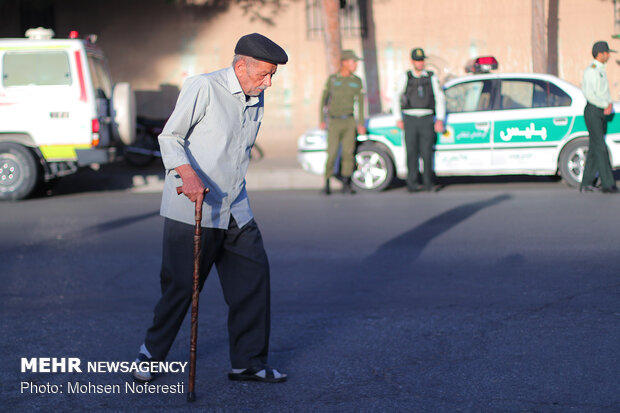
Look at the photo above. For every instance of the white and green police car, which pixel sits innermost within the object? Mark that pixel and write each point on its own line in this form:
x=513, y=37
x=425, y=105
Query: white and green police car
x=497, y=124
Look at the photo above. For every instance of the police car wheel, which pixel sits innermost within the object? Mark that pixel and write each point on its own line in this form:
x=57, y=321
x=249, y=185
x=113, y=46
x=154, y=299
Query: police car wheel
x=573, y=161
x=375, y=170
x=19, y=172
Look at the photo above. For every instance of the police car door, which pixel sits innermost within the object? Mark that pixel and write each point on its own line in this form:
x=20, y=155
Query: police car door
x=533, y=118
x=465, y=146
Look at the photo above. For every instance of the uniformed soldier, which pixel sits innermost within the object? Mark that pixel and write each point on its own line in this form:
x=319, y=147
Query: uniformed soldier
x=420, y=112
x=342, y=91
x=596, y=90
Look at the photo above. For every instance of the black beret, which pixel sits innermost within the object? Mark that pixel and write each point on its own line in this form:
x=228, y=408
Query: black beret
x=261, y=48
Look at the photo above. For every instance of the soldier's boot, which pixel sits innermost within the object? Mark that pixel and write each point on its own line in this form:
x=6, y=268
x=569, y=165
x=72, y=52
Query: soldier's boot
x=326, y=189
x=346, y=186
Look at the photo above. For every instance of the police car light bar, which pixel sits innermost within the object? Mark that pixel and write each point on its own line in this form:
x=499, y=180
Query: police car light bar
x=481, y=65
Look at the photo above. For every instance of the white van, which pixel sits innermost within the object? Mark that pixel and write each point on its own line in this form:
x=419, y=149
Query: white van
x=58, y=110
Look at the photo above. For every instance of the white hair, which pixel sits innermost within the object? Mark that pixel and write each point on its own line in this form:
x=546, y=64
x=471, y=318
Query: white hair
x=250, y=61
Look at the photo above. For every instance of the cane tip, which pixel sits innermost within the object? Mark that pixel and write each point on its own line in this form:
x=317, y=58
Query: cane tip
x=191, y=397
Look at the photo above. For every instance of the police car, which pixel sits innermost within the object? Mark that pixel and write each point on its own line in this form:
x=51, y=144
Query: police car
x=58, y=110
x=496, y=124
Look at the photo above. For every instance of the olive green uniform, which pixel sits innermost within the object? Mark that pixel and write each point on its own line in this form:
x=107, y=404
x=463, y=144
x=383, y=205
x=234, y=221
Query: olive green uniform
x=339, y=96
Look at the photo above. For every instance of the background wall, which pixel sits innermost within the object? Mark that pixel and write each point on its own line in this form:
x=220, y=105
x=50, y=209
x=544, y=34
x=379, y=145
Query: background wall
x=156, y=44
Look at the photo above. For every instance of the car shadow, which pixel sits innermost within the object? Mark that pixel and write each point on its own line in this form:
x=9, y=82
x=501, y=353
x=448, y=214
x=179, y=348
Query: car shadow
x=116, y=176
x=447, y=181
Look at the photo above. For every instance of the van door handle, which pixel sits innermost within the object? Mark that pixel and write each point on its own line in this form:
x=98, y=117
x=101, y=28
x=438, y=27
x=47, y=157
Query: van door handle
x=482, y=125
x=562, y=121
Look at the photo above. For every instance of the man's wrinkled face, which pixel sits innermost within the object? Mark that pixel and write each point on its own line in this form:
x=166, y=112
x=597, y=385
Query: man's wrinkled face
x=254, y=75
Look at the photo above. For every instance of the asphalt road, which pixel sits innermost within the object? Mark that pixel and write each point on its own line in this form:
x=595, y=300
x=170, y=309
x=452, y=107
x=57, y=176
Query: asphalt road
x=484, y=298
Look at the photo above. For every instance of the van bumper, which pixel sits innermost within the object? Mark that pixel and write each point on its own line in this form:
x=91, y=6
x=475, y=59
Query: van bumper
x=86, y=157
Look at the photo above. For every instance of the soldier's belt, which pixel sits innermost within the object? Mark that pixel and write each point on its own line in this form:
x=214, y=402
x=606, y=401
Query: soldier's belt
x=350, y=115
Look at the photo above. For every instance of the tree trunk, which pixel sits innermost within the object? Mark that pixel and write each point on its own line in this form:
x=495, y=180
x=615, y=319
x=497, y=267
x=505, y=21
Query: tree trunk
x=369, y=47
x=331, y=30
x=539, y=48
x=552, y=37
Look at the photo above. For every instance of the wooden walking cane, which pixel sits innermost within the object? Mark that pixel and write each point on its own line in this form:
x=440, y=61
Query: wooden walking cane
x=191, y=394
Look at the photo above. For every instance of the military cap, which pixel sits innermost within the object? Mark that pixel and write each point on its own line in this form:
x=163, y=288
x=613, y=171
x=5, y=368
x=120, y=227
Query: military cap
x=418, y=54
x=261, y=48
x=600, y=47
x=348, y=55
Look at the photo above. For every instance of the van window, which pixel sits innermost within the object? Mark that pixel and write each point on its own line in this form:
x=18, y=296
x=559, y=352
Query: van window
x=101, y=77
x=36, y=69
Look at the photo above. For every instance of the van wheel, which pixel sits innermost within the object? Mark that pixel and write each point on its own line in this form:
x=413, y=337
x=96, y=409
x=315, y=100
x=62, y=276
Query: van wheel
x=375, y=170
x=19, y=172
x=141, y=153
x=573, y=161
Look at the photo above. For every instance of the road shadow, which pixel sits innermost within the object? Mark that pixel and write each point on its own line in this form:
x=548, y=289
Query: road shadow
x=404, y=250
x=117, y=176
x=448, y=181
x=359, y=284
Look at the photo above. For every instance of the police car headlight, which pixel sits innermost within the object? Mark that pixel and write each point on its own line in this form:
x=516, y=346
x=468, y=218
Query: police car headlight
x=312, y=140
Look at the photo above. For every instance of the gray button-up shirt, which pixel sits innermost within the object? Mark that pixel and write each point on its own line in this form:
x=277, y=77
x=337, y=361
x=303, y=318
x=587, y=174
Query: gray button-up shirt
x=213, y=128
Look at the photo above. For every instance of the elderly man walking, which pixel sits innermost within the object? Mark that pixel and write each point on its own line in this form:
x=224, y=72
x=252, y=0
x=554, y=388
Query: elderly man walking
x=206, y=143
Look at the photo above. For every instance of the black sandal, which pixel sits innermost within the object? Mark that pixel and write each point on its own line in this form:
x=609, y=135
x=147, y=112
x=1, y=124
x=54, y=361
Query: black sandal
x=251, y=374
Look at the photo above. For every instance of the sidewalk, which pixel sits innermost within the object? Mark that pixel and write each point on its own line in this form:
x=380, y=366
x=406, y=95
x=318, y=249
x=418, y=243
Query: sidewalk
x=279, y=173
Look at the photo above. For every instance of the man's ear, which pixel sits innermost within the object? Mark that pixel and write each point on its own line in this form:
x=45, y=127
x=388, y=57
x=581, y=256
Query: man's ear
x=241, y=66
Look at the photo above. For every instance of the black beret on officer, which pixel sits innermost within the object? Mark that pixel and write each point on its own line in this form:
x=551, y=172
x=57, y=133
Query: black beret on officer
x=261, y=48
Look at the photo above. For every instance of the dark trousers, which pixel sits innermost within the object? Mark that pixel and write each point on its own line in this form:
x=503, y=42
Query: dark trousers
x=598, y=155
x=420, y=138
x=243, y=269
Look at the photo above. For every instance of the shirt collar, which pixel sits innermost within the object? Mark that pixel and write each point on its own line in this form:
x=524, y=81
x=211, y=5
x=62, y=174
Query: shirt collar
x=598, y=64
x=235, y=88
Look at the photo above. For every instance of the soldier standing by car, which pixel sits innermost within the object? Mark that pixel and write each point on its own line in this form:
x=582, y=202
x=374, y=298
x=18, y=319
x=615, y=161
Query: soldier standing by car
x=420, y=112
x=596, y=90
x=342, y=91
